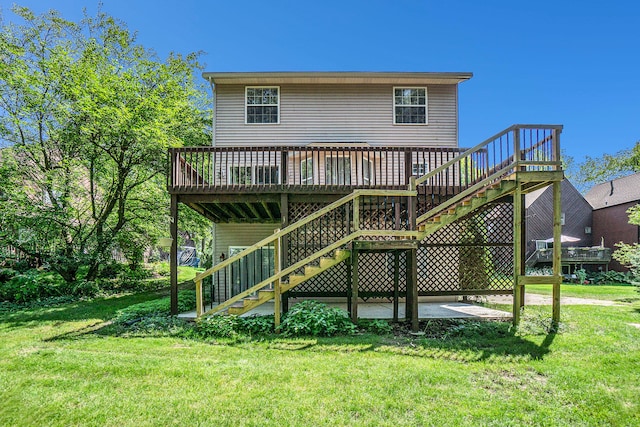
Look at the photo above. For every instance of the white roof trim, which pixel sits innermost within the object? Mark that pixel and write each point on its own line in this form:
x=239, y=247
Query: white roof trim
x=295, y=77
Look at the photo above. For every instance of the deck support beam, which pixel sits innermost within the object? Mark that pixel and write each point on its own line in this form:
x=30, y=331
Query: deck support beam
x=284, y=221
x=276, y=284
x=412, y=262
x=173, y=254
x=557, y=251
x=355, y=254
x=518, y=254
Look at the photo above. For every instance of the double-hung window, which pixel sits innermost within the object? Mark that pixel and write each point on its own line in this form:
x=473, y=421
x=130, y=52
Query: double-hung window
x=410, y=105
x=262, y=105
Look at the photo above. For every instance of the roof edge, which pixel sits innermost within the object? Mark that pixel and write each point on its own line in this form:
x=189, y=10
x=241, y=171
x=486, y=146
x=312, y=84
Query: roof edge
x=336, y=77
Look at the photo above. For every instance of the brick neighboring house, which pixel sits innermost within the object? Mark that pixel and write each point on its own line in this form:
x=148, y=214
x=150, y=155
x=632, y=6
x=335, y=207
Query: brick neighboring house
x=610, y=202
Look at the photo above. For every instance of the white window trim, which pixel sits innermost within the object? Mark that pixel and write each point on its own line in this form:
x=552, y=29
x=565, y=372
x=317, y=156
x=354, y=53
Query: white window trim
x=416, y=167
x=246, y=105
x=393, y=105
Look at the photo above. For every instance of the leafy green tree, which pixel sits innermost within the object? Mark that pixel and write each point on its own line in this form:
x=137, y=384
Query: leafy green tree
x=627, y=254
x=87, y=116
x=610, y=166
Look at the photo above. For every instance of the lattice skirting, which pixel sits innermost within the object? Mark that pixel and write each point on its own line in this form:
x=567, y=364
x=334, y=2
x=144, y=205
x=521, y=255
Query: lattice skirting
x=474, y=254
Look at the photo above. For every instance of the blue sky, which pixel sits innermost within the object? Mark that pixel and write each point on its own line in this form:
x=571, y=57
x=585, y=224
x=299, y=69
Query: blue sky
x=576, y=64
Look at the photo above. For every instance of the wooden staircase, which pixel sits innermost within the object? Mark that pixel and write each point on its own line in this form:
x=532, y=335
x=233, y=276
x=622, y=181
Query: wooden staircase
x=525, y=166
x=453, y=213
x=268, y=293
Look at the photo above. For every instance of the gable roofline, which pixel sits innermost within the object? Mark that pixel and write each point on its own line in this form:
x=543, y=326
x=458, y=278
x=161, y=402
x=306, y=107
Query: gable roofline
x=531, y=198
x=335, y=77
x=615, y=192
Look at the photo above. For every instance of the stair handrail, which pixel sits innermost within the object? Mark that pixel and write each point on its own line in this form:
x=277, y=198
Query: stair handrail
x=511, y=162
x=287, y=230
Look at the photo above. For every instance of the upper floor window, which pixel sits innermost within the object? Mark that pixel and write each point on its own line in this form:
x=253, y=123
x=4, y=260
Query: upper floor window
x=262, y=104
x=410, y=105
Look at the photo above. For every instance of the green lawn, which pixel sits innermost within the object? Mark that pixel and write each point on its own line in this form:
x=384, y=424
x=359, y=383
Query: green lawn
x=607, y=292
x=64, y=366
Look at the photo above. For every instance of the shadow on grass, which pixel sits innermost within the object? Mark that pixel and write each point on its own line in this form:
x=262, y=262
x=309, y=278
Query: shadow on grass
x=461, y=341
x=98, y=308
x=482, y=341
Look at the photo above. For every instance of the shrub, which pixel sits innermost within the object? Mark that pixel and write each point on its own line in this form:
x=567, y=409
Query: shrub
x=611, y=277
x=581, y=274
x=259, y=325
x=32, y=285
x=6, y=274
x=316, y=319
x=375, y=326
x=162, y=269
x=218, y=326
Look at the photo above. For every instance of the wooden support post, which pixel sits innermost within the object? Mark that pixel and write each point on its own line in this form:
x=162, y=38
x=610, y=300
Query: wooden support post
x=349, y=284
x=354, y=285
x=518, y=256
x=523, y=248
x=556, y=148
x=557, y=250
x=412, y=287
x=284, y=221
x=356, y=214
x=199, y=303
x=411, y=309
x=173, y=254
x=276, y=284
x=517, y=153
x=396, y=284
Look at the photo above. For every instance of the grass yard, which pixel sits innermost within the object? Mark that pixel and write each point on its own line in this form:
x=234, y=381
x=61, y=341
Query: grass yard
x=65, y=366
x=622, y=293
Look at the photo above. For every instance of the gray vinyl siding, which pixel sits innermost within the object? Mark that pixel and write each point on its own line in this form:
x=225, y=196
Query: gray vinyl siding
x=226, y=235
x=336, y=113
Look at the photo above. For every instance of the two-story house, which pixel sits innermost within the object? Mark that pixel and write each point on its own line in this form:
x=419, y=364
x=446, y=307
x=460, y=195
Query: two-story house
x=362, y=175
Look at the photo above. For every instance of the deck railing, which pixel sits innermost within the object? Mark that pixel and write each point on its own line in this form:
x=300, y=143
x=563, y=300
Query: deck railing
x=238, y=169
x=533, y=148
x=520, y=148
x=577, y=255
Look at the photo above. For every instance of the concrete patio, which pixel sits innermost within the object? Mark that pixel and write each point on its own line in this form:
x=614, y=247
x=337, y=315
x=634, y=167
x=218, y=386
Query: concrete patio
x=384, y=310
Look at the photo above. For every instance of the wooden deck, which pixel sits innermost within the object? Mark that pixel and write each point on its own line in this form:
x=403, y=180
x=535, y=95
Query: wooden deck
x=392, y=194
